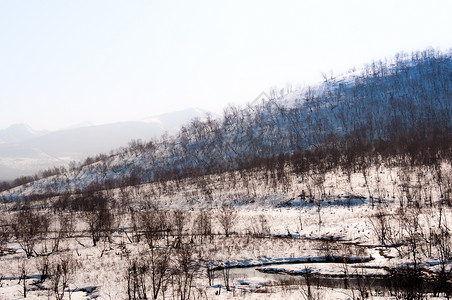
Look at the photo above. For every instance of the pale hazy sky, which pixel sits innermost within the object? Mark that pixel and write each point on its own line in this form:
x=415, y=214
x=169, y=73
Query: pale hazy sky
x=64, y=62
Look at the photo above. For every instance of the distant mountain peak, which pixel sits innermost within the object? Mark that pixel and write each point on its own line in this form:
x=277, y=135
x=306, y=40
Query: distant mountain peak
x=19, y=127
x=18, y=133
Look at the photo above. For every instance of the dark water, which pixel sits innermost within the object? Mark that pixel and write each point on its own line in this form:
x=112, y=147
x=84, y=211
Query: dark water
x=395, y=282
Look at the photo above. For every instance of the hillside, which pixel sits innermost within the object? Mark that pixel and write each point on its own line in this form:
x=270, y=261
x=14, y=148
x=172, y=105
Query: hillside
x=388, y=107
x=339, y=191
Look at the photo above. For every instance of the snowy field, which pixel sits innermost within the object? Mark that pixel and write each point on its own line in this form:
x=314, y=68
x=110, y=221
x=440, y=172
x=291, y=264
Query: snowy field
x=317, y=238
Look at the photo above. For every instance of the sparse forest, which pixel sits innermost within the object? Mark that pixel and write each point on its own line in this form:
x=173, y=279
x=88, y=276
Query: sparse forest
x=339, y=190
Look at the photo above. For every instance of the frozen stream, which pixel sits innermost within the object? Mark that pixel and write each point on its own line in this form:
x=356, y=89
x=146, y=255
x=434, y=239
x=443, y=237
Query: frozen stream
x=322, y=273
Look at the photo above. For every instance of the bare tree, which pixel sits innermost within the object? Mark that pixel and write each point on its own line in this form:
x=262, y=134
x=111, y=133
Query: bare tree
x=62, y=269
x=43, y=266
x=442, y=242
x=154, y=225
x=307, y=291
x=136, y=279
x=203, y=224
x=5, y=232
x=98, y=216
x=413, y=235
x=226, y=270
x=158, y=263
x=67, y=224
x=227, y=216
x=179, y=219
x=381, y=227
x=27, y=227
x=23, y=275
x=186, y=269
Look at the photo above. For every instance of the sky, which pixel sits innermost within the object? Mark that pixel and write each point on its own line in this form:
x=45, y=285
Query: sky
x=67, y=62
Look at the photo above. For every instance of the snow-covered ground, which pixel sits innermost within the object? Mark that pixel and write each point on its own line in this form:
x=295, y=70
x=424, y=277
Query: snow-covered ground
x=275, y=231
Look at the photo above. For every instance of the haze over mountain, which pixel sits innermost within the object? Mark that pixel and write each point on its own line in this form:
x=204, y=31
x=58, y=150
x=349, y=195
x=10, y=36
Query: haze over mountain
x=24, y=151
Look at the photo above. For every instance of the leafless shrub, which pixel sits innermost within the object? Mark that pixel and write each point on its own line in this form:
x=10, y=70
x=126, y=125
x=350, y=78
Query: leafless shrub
x=43, y=267
x=260, y=226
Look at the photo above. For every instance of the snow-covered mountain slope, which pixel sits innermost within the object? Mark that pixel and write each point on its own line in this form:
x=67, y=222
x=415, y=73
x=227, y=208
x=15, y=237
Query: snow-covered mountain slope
x=24, y=151
x=407, y=100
